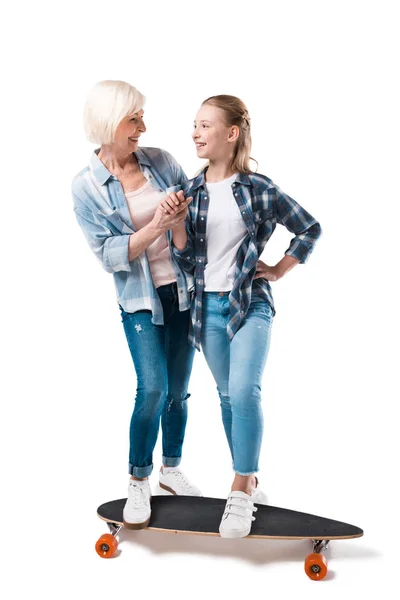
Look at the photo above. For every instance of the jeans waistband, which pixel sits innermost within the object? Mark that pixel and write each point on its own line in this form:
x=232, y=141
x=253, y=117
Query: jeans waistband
x=218, y=293
x=171, y=286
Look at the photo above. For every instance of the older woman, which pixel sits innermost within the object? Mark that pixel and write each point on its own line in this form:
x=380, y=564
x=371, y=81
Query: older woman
x=117, y=201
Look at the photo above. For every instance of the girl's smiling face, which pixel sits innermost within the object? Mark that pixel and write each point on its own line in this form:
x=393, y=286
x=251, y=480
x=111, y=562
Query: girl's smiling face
x=214, y=139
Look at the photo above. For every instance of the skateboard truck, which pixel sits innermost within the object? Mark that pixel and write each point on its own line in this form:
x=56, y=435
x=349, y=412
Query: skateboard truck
x=320, y=545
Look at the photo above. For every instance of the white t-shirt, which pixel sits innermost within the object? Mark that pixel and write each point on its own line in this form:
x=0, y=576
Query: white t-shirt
x=225, y=233
x=142, y=204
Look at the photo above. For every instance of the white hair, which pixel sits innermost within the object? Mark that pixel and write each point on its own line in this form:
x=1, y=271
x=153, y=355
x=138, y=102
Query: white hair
x=107, y=104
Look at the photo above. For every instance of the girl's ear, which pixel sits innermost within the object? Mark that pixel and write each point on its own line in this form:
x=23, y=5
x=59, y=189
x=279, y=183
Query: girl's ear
x=233, y=133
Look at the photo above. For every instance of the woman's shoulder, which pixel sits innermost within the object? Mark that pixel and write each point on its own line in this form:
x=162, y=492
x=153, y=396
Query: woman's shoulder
x=79, y=182
x=154, y=155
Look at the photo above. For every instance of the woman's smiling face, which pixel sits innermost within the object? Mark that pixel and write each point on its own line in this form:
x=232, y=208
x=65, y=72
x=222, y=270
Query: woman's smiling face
x=129, y=130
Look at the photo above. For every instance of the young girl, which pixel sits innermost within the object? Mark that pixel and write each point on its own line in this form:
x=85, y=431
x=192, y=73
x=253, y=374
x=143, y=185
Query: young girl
x=232, y=216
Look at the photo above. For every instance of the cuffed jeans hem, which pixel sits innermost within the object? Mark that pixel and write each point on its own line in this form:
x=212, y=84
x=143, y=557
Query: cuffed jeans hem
x=172, y=461
x=246, y=474
x=140, y=472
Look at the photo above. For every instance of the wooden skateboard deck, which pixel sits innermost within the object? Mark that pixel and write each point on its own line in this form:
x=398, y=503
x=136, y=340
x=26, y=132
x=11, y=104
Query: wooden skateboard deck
x=202, y=516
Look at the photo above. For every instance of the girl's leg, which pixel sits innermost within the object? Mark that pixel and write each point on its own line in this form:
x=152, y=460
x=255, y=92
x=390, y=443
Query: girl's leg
x=249, y=350
x=216, y=348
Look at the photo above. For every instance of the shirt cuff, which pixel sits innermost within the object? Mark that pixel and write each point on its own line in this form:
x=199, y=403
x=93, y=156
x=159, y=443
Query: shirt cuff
x=300, y=250
x=116, y=253
x=181, y=253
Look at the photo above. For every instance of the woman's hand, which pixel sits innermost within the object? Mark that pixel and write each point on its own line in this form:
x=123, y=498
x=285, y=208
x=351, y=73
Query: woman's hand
x=270, y=273
x=171, y=211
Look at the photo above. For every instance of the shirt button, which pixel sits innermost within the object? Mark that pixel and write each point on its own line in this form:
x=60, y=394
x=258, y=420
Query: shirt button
x=181, y=291
x=202, y=240
x=199, y=259
x=243, y=212
x=205, y=197
x=202, y=218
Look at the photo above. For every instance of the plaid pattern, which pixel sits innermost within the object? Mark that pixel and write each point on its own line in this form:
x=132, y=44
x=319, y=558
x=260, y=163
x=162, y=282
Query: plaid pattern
x=262, y=205
x=102, y=213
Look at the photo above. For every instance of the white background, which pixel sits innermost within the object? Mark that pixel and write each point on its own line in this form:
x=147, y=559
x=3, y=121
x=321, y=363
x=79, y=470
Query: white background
x=319, y=80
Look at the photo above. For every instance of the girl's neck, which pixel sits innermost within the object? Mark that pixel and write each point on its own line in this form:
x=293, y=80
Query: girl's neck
x=218, y=171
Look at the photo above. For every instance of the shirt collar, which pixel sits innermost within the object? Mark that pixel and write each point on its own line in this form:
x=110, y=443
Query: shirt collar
x=200, y=180
x=101, y=172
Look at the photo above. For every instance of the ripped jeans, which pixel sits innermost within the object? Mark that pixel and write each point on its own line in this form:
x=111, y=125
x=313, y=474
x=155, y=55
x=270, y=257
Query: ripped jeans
x=163, y=360
x=237, y=367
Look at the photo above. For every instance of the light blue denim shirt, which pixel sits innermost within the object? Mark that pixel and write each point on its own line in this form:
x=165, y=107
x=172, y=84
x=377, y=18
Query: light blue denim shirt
x=102, y=212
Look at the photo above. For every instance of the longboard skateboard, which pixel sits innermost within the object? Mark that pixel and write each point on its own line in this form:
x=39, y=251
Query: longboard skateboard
x=202, y=516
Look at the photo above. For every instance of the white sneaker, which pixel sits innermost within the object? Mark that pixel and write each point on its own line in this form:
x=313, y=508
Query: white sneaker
x=137, y=510
x=238, y=516
x=177, y=483
x=258, y=496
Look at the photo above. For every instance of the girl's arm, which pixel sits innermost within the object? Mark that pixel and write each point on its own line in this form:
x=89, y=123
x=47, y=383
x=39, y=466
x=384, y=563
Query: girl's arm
x=183, y=238
x=298, y=221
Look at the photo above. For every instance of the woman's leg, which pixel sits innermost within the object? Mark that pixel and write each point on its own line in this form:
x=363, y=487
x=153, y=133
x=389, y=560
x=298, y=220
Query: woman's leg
x=147, y=345
x=179, y=356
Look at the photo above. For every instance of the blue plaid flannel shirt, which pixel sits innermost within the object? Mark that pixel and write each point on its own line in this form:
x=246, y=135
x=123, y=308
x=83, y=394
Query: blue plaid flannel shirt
x=102, y=213
x=262, y=205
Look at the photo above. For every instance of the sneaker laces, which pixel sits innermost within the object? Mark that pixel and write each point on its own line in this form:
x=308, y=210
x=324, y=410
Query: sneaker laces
x=136, y=494
x=181, y=479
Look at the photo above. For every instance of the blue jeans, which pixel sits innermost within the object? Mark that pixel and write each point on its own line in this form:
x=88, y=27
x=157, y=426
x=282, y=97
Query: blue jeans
x=163, y=360
x=237, y=367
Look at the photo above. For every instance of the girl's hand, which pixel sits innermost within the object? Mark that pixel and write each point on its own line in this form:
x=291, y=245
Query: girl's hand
x=167, y=216
x=269, y=273
x=171, y=204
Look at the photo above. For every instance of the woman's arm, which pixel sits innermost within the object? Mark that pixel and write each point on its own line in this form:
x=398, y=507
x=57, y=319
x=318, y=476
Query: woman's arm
x=115, y=252
x=111, y=250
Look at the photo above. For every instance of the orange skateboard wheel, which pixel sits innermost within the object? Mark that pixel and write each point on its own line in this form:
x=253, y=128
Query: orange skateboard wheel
x=316, y=566
x=106, y=545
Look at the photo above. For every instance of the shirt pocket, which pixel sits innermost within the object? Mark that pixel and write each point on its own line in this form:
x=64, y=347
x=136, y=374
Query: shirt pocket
x=114, y=222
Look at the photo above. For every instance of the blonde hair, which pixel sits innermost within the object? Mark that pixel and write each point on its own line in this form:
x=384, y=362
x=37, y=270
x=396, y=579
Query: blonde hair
x=108, y=102
x=236, y=113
